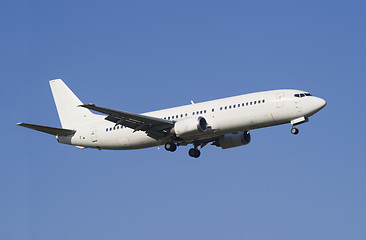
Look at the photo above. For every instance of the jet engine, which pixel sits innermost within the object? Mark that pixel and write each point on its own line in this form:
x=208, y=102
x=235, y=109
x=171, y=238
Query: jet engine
x=189, y=127
x=233, y=140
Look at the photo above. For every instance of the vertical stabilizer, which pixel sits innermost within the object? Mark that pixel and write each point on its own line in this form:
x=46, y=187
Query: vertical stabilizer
x=67, y=104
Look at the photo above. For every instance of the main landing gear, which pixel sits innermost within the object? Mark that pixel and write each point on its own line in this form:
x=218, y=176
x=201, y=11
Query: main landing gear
x=194, y=152
x=171, y=147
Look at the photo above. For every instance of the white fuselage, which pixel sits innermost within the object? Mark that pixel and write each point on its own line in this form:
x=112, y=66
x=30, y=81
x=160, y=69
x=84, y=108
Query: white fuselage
x=223, y=116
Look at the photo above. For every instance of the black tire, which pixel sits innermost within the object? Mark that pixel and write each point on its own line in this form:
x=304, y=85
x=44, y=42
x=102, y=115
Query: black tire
x=295, y=131
x=171, y=147
x=194, y=152
x=191, y=152
x=197, y=153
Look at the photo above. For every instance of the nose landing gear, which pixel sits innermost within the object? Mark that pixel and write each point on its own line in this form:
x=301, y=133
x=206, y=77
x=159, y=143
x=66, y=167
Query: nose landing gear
x=294, y=131
x=298, y=121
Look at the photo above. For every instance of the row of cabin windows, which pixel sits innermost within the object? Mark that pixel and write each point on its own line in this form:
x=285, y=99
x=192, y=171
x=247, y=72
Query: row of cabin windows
x=242, y=104
x=213, y=110
x=114, y=128
x=176, y=116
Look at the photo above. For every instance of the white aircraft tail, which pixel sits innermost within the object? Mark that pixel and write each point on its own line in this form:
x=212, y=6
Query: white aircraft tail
x=67, y=104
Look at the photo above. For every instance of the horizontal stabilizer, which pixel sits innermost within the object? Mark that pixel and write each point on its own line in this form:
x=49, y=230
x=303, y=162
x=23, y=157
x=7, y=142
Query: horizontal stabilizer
x=49, y=130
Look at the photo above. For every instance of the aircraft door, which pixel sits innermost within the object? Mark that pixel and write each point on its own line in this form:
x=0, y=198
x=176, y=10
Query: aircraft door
x=280, y=101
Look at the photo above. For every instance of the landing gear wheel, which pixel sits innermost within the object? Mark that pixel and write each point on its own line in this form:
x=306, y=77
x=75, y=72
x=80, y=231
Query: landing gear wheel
x=194, y=152
x=294, y=131
x=171, y=147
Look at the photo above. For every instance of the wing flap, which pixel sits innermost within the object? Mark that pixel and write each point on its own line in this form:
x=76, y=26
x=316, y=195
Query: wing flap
x=49, y=130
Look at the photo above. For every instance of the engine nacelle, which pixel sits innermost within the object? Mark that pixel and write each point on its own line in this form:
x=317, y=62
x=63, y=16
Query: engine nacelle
x=189, y=127
x=234, y=140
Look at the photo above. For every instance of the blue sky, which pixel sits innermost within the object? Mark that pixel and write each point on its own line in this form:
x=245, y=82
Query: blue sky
x=140, y=56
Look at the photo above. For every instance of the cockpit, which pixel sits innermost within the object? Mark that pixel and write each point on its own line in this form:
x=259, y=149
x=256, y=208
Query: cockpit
x=300, y=95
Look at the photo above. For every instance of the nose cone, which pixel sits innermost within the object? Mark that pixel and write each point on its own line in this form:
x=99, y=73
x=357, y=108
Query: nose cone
x=311, y=105
x=316, y=105
x=319, y=103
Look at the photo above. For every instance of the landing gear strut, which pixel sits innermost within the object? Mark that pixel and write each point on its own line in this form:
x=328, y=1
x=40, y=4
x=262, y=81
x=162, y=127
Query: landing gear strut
x=294, y=130
x=171, y=147
x=194, y=152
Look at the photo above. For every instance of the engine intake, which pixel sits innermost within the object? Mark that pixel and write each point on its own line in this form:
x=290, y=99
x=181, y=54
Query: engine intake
x=233, y=140
x=189, y=127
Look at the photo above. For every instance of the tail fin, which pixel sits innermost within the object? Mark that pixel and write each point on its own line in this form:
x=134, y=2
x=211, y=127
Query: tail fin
x=67, y=104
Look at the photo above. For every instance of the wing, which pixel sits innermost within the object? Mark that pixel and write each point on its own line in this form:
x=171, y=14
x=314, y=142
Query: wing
x=156, y=128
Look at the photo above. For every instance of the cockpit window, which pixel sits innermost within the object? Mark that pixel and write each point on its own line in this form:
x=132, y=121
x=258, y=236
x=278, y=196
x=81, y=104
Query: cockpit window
x=300, y=95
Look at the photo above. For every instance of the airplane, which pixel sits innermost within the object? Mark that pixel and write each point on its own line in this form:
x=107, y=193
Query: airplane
x=224, y=122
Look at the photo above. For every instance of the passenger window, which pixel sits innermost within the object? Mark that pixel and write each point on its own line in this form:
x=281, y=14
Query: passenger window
x=106, y=129
x=193, y=113
x=220, y=108
x=234, y=106
x=255, y=102
x=251, y=103
x=181, y=115
x=201, y=112
x=242, y=104
x=225, y=107
x=213, y=110
x=198, y=112
x=186, y=114
x=177, y=116
x=204, y=111
x=238, y=105
x=247, y=104
x=168, y=118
